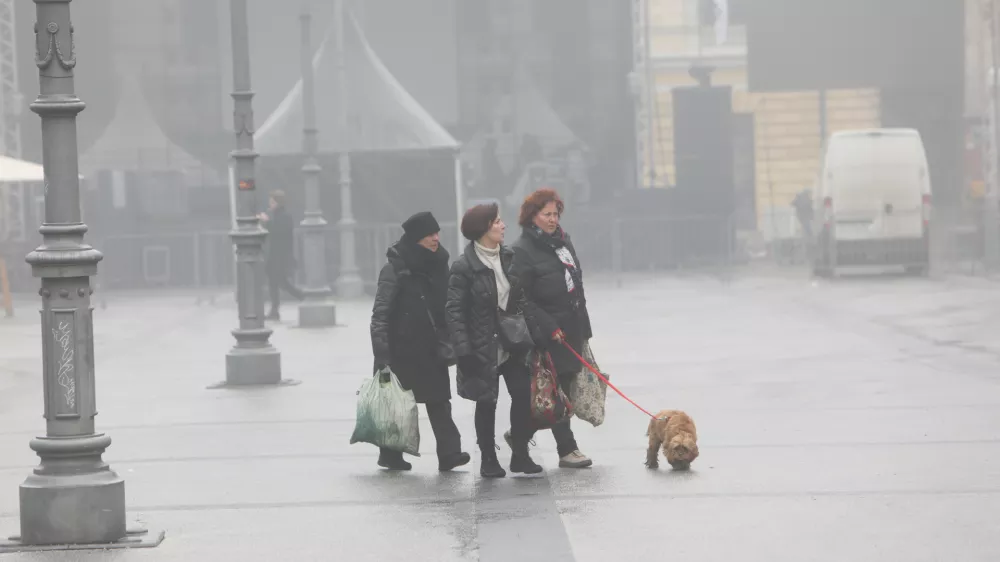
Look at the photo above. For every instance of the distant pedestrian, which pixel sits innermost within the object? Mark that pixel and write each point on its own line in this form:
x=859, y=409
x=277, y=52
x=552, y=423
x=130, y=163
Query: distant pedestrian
x=279, y=260
x=409, y=333
x=480, y=289
x=805, y=213
x=548, y=268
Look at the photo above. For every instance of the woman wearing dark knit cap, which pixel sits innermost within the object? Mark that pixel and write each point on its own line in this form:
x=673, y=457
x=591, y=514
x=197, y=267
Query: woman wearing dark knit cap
x=409, y=333
x=546, y=263
x=480, y=288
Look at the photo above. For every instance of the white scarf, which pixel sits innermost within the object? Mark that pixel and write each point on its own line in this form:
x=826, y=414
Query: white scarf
x=491, y=259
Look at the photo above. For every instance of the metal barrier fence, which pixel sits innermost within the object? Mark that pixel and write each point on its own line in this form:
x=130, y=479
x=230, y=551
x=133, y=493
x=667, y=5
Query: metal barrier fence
x=371, y=241
x=193, y=260
x=618, y=245
x=205, y=260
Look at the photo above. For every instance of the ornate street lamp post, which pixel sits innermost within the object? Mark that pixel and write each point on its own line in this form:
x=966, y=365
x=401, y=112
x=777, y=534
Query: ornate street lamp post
x=317, y=310
x=73, y=499
x=253, y=360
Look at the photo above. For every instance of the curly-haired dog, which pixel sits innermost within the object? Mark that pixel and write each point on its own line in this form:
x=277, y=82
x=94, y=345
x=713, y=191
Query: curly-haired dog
x=675, y=431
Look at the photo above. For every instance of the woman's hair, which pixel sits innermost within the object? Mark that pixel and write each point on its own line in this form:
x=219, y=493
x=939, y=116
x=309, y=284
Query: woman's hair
x=534, y=203
x=478, y=220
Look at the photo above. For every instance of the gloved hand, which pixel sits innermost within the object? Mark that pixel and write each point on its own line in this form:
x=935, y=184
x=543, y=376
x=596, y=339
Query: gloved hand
x=380, y=366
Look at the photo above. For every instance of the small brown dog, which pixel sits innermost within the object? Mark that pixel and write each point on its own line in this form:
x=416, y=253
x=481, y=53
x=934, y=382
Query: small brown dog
x=675, y=431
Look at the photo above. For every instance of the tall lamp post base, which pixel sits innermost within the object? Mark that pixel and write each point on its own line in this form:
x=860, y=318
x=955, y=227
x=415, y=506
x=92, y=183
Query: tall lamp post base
x=134, y=538
x=317, y=313
x=88, y=507
x=350, y=286
x=253, y=366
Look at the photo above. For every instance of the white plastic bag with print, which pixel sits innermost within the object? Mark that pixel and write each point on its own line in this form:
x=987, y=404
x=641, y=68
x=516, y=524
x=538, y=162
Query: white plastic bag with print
x=588, y=393
x=387, y=415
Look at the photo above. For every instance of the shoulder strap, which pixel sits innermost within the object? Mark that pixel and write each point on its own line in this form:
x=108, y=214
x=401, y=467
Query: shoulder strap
x=427, y=307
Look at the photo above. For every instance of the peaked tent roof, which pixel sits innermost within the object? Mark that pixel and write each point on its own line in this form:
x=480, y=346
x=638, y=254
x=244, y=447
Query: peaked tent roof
x=133, y=141
x=382, y=115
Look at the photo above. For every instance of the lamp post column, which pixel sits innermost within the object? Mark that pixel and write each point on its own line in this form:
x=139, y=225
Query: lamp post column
x=253, y=360
x=349, y=284
x=317, y=310
x=72, y=497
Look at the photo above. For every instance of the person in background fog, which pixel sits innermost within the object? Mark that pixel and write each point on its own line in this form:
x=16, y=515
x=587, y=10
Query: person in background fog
x=481, y=285
x=548, y=268
x=803, y=205
x=279, y=259
x=409, y=334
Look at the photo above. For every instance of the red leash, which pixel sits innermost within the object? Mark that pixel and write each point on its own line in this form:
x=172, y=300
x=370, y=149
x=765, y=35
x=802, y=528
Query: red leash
x=605, y=380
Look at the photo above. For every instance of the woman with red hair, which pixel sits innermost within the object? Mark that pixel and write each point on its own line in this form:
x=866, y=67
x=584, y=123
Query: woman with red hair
x=548, y=268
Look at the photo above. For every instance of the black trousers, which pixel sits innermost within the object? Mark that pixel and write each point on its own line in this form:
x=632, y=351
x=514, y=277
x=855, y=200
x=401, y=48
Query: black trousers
x=565, y=440
x=518, y=380
x=515, y=376
x=449, y=440
x=277, y=280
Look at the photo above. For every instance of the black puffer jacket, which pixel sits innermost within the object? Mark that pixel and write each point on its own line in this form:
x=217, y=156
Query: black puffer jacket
x=414, y=280
x=549, y=304
x=472, y=321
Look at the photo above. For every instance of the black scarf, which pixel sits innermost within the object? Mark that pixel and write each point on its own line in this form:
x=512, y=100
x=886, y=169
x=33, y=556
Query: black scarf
x=555, y=242
x=431, y=269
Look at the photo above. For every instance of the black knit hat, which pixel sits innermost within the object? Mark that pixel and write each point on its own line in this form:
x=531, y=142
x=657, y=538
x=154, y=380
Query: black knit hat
x=420, y=226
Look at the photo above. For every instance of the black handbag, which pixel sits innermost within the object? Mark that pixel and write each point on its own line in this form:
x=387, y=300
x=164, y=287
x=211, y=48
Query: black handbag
x=513, y=332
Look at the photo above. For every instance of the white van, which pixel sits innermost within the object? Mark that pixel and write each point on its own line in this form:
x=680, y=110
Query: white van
x=873, y=202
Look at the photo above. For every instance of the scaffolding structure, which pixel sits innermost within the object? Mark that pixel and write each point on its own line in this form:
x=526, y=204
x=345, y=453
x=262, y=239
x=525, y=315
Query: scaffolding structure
x=13, y=197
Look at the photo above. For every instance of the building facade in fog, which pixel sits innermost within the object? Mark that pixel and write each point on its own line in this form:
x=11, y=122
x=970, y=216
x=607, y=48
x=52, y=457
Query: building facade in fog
x=778, y=138
x=548, y=76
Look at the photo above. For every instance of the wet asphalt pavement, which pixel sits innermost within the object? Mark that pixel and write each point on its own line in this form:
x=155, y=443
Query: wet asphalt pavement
x=849, y=420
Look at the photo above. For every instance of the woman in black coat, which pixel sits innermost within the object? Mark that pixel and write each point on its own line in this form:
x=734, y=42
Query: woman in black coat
x=546, y=263
x=408, y=328
x=481, y=286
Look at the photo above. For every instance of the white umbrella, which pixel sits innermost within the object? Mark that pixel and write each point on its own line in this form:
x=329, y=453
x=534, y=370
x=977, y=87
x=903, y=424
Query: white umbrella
x=13, y=170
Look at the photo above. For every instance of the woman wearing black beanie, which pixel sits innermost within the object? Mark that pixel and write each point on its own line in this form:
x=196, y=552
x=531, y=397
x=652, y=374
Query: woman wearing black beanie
x=410, y=336
x=479, y=290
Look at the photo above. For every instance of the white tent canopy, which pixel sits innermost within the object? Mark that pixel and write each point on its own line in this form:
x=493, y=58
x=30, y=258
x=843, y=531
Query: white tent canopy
x=134, y=141
x=382, y=115
x=13, y=170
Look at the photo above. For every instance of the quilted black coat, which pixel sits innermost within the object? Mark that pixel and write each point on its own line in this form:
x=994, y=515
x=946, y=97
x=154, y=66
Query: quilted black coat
x=548, y=303
x=472, y=321
x=413, y=281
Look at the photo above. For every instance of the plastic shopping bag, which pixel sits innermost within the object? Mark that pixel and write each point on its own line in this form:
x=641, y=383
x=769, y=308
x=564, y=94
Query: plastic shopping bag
x=387, y=415
x=588, y=393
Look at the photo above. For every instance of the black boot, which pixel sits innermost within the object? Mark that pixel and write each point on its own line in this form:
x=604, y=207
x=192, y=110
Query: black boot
x=452, y=461
x=490, y=465
x=520, y=460
x=393, y=460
